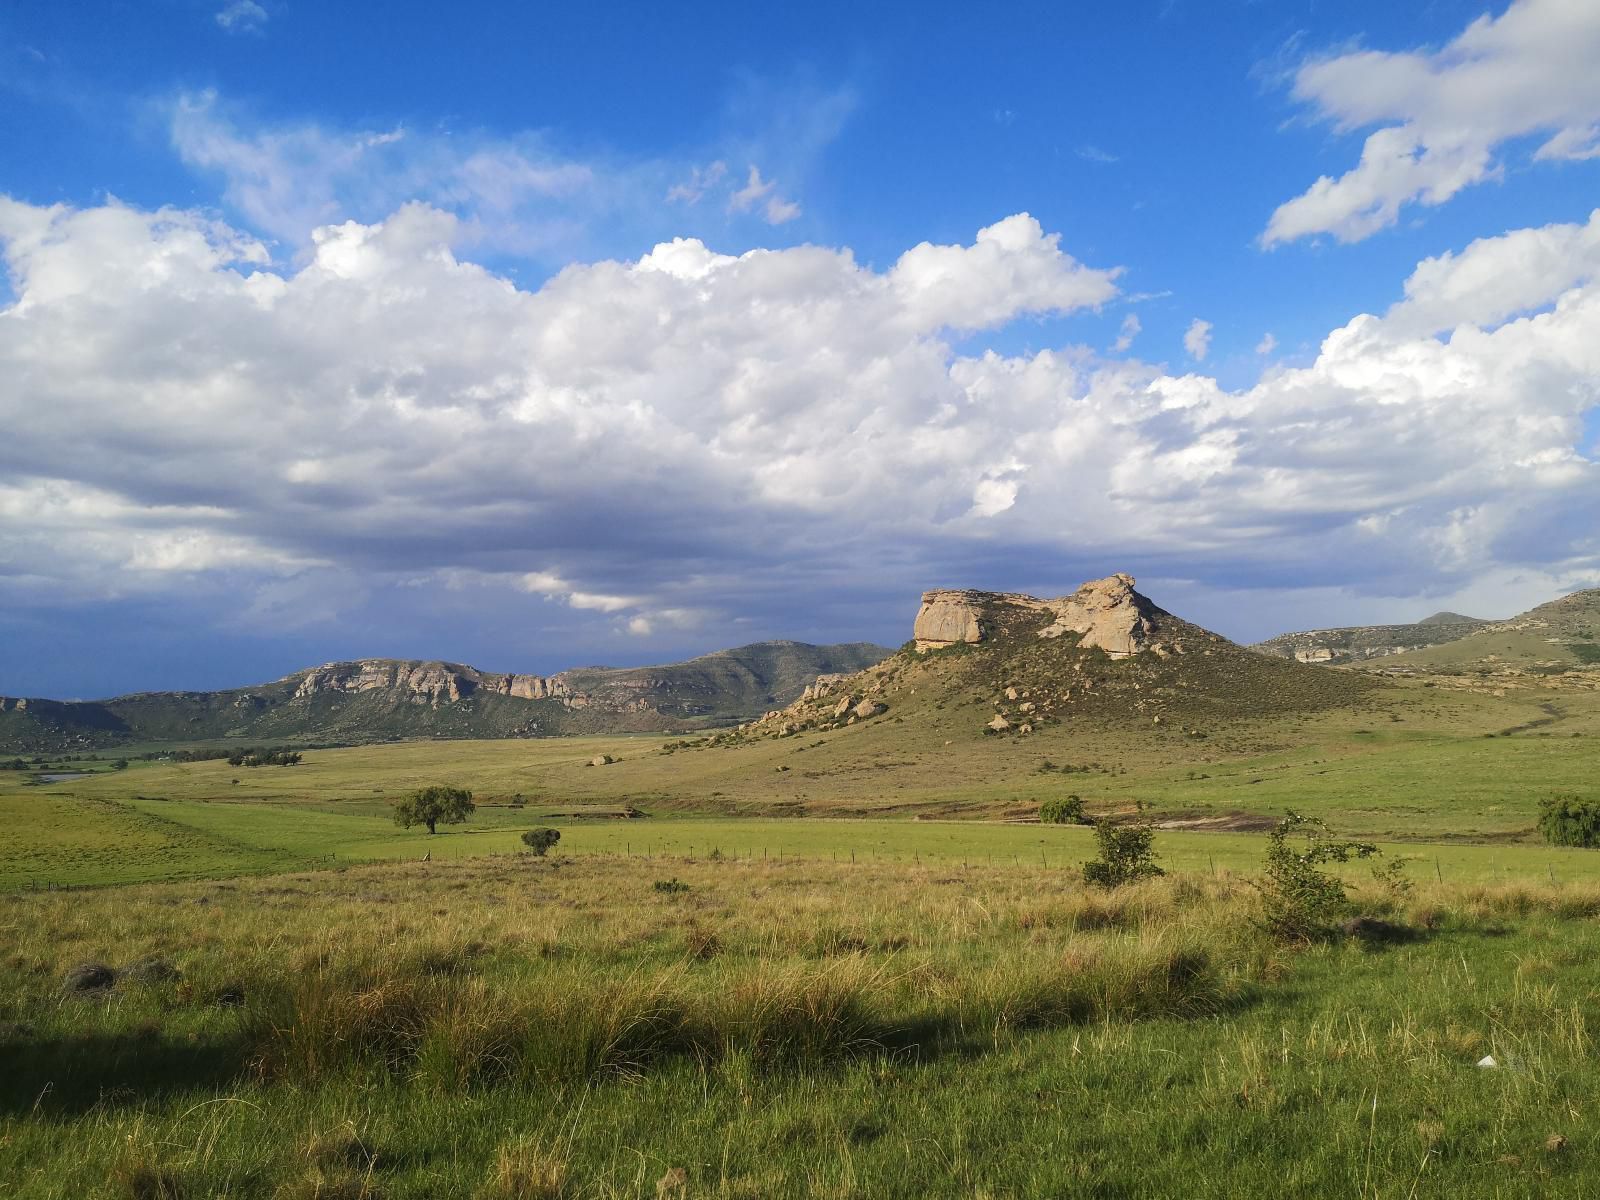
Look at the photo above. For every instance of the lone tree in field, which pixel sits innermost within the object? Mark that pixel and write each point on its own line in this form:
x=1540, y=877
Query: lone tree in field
x=541, y=839
x=1299, y=901
x=432, y=806
x=1063, y=810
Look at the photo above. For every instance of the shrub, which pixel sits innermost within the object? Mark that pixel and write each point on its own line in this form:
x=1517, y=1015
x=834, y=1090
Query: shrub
x=432, y=805
x=1063, y=810
x=1300, y=901
x=541, y=839
x=1566, y=820
x=1126, y=854
x=671, y=887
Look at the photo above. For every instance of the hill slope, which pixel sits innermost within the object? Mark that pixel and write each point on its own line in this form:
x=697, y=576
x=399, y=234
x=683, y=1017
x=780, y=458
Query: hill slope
x=1103, y=659
x=376, y=699
x=1356, y=643
x=1554, y=638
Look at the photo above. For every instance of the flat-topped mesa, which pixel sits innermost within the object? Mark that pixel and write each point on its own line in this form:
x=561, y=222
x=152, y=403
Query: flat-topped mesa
x=429, y=682
x=1107, y=614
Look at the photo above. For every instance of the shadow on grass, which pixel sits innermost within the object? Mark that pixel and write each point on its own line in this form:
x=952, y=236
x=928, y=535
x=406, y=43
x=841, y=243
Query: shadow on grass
x=67, y=1076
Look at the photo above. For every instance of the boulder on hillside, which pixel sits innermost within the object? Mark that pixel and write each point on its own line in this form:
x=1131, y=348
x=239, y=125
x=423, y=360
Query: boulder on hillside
x=867, y=708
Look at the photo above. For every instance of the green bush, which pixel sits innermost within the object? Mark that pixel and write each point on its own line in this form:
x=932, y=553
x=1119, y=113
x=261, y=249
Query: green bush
x=541, y=839
x=1566, y=820
x=1126, y=854
x=1300, y=901
x=1063, y=810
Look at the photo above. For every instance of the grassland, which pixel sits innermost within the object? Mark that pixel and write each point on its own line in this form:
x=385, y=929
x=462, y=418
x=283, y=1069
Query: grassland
x=1417, y=765
x=509, y=1027
x=864, y=974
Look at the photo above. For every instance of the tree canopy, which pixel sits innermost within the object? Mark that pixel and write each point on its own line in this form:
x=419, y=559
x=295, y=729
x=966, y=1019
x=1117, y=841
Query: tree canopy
x=433, y=806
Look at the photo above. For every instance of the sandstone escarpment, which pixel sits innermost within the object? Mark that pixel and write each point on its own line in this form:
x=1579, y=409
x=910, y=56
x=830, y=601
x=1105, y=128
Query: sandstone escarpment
x=1106, y=614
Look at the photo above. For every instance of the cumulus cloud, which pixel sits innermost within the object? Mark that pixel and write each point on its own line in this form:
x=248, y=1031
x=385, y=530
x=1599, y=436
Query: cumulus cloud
x=1129, y=330
x=1197, y=339
x=1444, y=114
x=690, y=437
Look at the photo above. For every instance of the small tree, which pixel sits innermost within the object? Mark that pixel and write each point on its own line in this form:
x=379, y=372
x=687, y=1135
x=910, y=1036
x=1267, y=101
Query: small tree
x=1566, y=820
x=1301, y=902
x=1062, y=810
x=1126, y=853
x=432, y=806
x=541, y=839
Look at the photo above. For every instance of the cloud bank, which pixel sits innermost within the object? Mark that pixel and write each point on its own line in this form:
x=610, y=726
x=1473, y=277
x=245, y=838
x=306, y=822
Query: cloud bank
x=676, y=440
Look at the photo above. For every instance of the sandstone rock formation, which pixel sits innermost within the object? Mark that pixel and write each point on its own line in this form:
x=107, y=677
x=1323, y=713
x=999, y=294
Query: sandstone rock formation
x=1107, y=614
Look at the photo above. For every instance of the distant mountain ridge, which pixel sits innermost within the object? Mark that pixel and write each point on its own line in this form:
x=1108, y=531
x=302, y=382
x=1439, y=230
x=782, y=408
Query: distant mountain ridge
x=1356, y=643
x=377, y=699
x=1560, y=636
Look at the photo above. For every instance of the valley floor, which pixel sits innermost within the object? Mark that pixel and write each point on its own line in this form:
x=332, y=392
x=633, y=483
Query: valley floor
x=597, y=1027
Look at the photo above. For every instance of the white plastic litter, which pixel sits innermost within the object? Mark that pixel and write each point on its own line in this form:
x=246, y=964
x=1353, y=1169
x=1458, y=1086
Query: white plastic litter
x=1487, y=1063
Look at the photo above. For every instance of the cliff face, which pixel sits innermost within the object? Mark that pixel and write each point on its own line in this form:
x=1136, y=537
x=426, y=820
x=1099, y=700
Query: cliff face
x=429, y=682
x=1106, y=614
x=379, y=698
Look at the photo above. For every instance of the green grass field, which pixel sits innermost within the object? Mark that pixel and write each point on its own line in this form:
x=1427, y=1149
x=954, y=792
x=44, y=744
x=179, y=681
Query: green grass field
x=517, y=1028
x=864, y=972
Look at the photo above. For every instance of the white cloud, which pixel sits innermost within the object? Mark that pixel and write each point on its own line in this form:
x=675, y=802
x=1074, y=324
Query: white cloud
x=1444, y=114
x=701, y=180
x=763, y=193
x=1197, y=339
x=1130, y=329
x=515, y=195
x=699, y=433
x=1495, y=278
x=1012, y=267
x=242, y=16
x=1267, y=344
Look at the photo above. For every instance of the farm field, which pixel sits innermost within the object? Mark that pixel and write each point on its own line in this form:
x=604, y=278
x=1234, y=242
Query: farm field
x=506, y=1027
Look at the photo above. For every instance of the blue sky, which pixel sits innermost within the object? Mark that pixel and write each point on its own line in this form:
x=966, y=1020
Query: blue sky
x=480, y=420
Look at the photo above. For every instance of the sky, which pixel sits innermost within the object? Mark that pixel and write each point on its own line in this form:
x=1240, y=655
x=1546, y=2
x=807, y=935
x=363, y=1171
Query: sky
x=537, y=336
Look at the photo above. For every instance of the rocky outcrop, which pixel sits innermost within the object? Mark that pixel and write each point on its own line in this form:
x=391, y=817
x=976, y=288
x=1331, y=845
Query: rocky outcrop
x=1106, y=614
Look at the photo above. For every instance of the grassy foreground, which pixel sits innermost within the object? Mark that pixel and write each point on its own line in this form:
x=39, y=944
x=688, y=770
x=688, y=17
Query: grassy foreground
x=503, y=1027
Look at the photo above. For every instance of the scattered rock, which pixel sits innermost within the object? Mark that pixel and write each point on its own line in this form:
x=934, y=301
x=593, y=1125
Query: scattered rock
x=1487, y=1063
x=844, y=706
x=1555, y=1143
x=1011, y=693
x=601, y=760
x=867, y=708
x=88, y=977
x=1026, y=706
x=999, y=724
